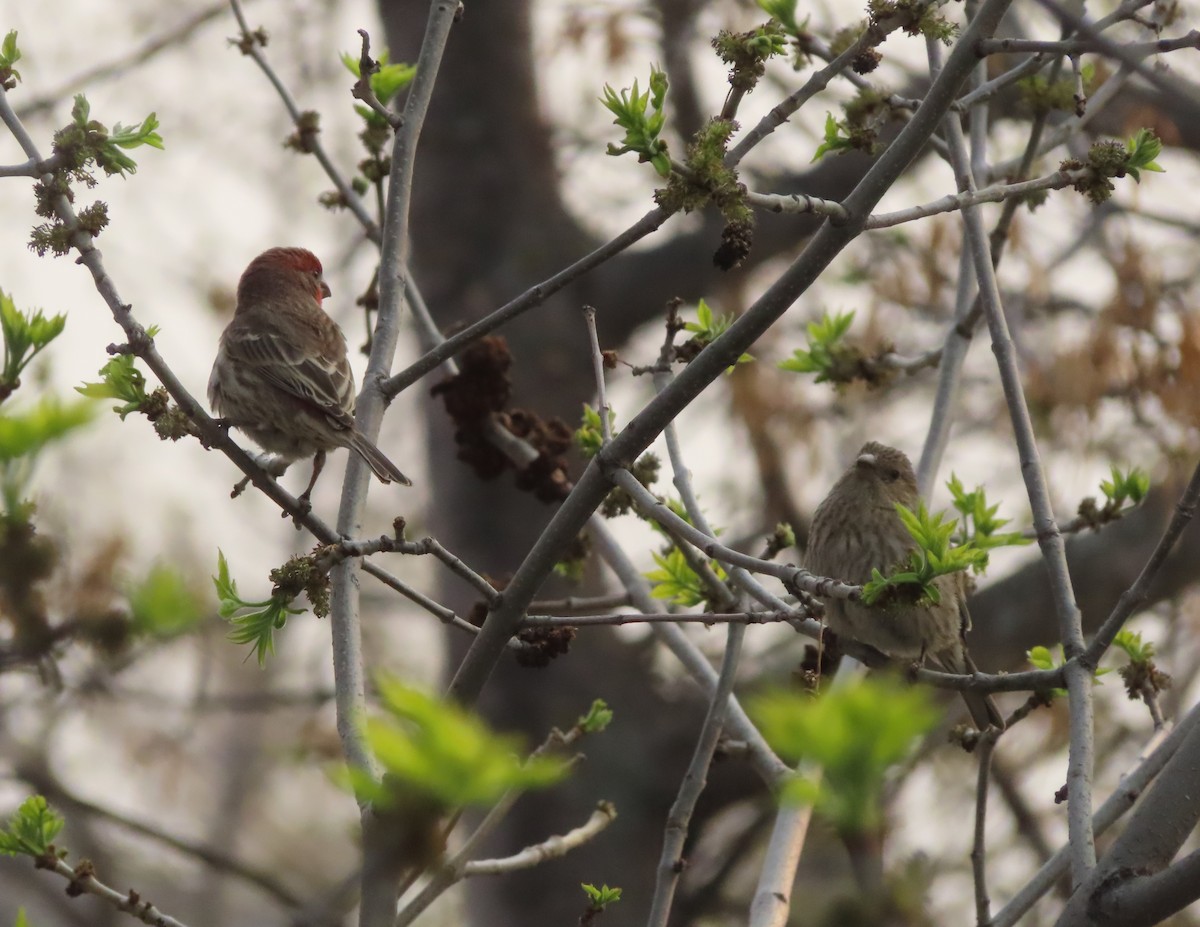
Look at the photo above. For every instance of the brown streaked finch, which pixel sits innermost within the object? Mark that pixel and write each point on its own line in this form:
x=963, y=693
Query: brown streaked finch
x=856, y=528
x=282, y=375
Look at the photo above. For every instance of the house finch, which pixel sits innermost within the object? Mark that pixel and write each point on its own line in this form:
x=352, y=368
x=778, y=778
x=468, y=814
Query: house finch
x=857, y=528
x=281, y=373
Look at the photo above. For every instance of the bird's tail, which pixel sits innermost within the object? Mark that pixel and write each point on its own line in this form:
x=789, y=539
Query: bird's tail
x=383, y=468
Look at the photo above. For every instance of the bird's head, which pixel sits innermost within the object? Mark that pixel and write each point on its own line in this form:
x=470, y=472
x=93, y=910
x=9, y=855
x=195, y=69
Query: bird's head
x=283, y=267
x=885, y=475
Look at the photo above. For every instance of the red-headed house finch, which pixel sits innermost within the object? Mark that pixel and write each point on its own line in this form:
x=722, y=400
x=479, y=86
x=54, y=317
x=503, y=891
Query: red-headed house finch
x=856, y=528
x=281, y=373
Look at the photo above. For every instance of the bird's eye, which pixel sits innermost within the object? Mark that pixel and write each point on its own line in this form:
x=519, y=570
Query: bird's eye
x=889, y=474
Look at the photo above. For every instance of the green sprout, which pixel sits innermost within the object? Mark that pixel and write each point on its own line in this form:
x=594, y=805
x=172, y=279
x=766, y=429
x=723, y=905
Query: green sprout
x=1143, y=148
x=784, y=12
x=120, y=379
x=258, y=621
x=837, y=138
x=162, y=605
x=979, y=521
x=642, y=117
x=388, y=80
x=92, y=140
x=1125, y=486
x=677, y=582
x=32, y=829
x=9, y=55
x=442, y=752
x=934, y=556
x=25, y=335
x=597, y=719
x=589, y=436
x=827, y=356
x=855, y=733
x=708, y=327
x=600, y=898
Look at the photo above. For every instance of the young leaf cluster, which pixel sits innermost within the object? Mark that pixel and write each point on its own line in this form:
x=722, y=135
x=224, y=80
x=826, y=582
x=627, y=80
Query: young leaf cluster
x=443, y=753
x=707, y=328
x=642, y=117
x=747, y=53
x=979, y=521
x=252, y=622
x=855, y=734
x=1043, y=658
x=88, y=141
x=1126, y=489
x=32, y=829
x=162, y=605
x=676, y=581
x=80, y=146
x=827, y=356
x=589, y=436
x=386, y=81
x=9, y=55
x=120, y=379
x=1125, y=486
x=1141, y=675
x=1112, y=159
x=934, y=556
x=597, y=719
x=25, y=334
x=600, y=898
x=783, y=12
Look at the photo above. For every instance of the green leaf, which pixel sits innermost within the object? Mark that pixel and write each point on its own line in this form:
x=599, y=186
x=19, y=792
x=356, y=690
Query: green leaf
x=590, y=436
x=1131, y=485
x=50, y=420
x=600, y=898
x=163, y=605
x=386, y=82
x=856, y=733
x=32, y=829
x=784, y=11
x=597, y=719
x=935, y=556
x=834, y=139
x=1135, y=648
x=675, y=580
x=446, y=753
x=825, y=348
x=9, y=55
x=252, y=622
x=25, y=334
x=120, y=379
x=642, y=117
x=1143, y=148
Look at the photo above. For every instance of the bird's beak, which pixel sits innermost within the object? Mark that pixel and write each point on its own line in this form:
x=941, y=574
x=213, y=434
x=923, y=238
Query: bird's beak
x=865, y=461
x=325, y=291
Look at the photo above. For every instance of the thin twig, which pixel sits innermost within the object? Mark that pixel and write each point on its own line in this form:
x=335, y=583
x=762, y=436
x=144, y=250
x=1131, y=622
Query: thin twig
x=671, y=861
x=531, y=298
x=249, y=45
x=589, y=318
x=984, y=750
x=550, y=848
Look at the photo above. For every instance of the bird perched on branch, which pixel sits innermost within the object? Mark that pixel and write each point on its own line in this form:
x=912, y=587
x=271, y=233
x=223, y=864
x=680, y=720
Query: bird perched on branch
x=281, y=373
x=856, y=528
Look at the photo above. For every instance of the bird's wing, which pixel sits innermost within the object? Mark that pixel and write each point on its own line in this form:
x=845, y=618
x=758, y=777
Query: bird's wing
x=325, y=383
